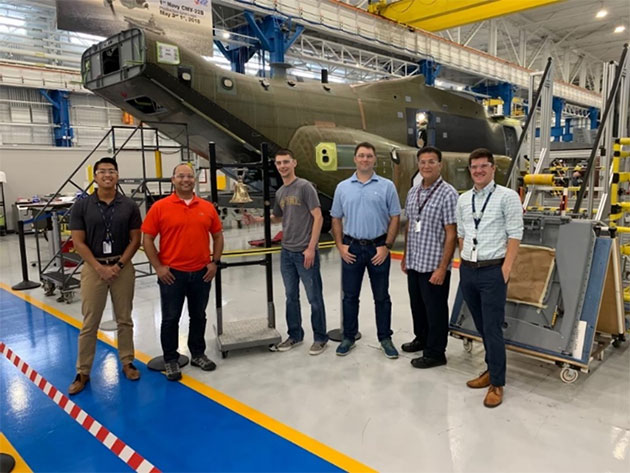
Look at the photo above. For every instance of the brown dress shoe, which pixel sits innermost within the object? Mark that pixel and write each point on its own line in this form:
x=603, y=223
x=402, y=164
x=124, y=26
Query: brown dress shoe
x=494, y=396
x=79, y=383
x=482, y=381
x=131, y=372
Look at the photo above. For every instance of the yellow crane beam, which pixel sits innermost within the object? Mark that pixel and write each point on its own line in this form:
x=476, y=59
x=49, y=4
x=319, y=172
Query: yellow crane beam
x=436, y=15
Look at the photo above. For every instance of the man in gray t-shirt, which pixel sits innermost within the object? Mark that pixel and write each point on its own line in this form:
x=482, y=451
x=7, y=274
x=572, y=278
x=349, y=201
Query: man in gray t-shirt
x=297, y=207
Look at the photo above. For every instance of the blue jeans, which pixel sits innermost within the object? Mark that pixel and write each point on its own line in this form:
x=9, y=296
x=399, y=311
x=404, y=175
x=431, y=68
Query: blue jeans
x=484, y=292
x=293, y=270
x=351, y=280
x=190, y=286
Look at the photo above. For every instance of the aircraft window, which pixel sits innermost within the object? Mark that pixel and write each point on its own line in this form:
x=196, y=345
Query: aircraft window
x=227, y=83
x=264, y=83
x=291, y=83
x=184, y=74
x=326, y=88
x=146, y=105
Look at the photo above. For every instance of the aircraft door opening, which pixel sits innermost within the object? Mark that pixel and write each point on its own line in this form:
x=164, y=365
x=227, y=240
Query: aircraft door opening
x=419, y=130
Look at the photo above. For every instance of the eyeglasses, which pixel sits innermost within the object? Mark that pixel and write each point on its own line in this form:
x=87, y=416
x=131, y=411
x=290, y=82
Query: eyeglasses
x=431, y=162
x=103, y=172
x=184, y=176
x=477, y=167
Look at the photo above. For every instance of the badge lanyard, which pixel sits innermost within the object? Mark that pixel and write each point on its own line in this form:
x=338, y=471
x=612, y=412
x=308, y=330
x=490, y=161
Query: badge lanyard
x=477, y=221
x=107, y=242
x=424, y=203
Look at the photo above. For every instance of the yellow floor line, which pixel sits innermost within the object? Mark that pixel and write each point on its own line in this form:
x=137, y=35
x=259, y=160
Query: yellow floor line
x=310, y=444
x=20, y=464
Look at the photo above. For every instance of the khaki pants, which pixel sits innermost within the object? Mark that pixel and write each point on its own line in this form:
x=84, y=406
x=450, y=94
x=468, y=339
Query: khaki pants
x=94, y=297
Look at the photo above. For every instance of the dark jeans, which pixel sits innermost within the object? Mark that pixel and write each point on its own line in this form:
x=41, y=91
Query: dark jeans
x=351, y=279
x=292, y=269
x=190, y=286
x=429, y=309
x=484, y=292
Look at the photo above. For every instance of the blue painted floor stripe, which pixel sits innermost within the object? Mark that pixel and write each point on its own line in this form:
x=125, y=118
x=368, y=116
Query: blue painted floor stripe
x=171, y=425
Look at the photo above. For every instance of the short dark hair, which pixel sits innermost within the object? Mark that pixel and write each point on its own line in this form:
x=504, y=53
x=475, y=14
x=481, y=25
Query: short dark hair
x=430, y=149
x=185, y=163
x=481, y=153
x=364, y=144
x=106, y=160
x=284, y=152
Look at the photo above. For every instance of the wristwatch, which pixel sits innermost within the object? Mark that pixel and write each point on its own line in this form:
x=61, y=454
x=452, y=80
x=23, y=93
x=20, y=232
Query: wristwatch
x=389, y=245
x=217, y=262
x=120, y=264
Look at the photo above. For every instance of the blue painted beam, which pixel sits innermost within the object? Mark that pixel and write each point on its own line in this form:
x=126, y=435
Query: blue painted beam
x=430, y=70
x=504, y=91
x=594, y=117
x=273, y=34
x=63, y=131
x=556, y=130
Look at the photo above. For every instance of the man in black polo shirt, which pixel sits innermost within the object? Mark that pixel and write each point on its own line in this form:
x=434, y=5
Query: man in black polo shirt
x=106, y=233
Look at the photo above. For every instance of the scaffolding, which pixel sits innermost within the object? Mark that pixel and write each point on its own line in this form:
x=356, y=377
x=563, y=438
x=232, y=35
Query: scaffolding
x=58, y=269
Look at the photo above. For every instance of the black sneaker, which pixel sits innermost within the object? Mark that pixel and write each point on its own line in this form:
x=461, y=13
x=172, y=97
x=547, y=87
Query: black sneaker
x=203, y=362
x=413, y=346
x=424, y=362
x=173, y=372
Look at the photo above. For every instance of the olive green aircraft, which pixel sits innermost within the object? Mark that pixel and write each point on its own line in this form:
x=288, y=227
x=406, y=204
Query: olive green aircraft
x=160, y=82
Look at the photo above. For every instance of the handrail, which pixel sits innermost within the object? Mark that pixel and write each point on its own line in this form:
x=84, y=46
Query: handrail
x=610, y=101
x=530, y=115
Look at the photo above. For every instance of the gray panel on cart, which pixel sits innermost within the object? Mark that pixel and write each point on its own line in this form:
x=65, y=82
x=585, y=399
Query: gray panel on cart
x=553, y=327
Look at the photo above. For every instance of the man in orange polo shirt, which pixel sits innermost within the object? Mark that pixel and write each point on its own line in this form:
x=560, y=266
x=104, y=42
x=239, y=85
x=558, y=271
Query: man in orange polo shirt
x=184, y=265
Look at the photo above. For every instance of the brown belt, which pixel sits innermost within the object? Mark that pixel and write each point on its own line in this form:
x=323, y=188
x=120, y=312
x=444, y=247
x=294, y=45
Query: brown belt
x=483, y=264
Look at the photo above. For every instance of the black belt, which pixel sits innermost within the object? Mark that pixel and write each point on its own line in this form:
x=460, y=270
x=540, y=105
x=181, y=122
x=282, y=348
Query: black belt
x=483, y=264
x=378, y=241
x=109, y=261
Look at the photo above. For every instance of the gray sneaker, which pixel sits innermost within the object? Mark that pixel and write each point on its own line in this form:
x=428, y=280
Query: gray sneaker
x=203, y=362
x=173, y=372
x=288, y=344
x=317, y=348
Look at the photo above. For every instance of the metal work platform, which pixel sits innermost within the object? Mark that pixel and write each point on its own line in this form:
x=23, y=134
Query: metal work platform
x=246, y=334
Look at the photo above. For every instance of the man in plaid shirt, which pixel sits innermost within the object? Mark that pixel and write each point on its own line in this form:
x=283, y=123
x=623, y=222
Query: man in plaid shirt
x=430, y=239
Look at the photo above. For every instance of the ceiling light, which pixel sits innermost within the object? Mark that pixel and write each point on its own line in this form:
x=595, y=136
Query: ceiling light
x=601, y=13
x=620, y=29
x=225, y=34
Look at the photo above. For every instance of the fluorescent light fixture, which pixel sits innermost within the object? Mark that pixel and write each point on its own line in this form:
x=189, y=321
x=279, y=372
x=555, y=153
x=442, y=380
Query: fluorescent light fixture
x=620, y=29
x=601, y=13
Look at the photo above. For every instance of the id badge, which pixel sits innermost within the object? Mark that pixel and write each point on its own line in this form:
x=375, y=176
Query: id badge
x=473, y=255
x=418, y=226
x=107, y=247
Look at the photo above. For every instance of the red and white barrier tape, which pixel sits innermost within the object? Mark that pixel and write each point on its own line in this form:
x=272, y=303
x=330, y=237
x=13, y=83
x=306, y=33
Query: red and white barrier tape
x=123, y=451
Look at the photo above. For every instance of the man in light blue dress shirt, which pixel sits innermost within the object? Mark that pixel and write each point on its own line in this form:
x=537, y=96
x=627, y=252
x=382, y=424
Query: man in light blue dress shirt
x=365, y=215
x=489, y=230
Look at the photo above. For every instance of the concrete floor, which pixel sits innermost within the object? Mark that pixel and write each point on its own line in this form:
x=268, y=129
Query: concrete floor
x=382, y=412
